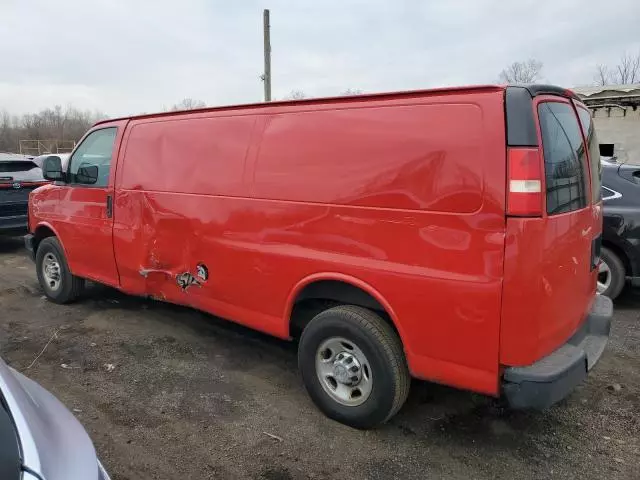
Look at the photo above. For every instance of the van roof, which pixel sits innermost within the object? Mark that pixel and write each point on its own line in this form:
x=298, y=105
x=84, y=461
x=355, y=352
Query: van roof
x=534, y=89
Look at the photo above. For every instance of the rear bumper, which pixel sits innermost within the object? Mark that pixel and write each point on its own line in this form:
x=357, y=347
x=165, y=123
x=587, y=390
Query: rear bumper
x=13, y=225
x=553, y=377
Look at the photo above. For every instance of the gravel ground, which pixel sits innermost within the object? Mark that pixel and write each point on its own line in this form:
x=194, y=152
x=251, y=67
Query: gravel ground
x=192, y=396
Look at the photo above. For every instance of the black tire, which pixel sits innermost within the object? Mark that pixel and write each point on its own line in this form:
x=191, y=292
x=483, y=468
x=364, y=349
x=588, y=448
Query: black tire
x=70, y=286
x=617, y=273
x=385, y=356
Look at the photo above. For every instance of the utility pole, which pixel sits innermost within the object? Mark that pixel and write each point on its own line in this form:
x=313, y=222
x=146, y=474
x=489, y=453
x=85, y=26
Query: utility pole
x=266, y=77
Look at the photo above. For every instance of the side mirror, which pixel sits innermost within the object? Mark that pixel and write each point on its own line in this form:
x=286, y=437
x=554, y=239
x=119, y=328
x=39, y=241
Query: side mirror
x=87, y=174
x=52, y=168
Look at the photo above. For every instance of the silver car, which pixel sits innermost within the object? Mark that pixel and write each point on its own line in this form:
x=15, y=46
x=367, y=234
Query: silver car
x=39, y=438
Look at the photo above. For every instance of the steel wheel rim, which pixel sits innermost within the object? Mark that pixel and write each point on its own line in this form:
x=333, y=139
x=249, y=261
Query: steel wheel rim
x=604, y=277
x=51, y=271
x=344, y=371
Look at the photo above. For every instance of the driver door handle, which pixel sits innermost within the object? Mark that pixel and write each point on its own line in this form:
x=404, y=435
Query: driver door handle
x=109, y=206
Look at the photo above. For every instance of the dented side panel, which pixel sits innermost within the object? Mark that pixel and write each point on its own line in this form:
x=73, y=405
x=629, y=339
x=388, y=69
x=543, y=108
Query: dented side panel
x=182, y=251
x=167, y=242
x=205, y=234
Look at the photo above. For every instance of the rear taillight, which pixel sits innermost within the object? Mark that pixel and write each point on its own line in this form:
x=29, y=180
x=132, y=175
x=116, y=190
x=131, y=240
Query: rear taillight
x=524, y=186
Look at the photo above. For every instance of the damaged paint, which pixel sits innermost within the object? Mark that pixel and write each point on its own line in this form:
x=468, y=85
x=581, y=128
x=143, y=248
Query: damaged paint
x=144, y=272
x=202, y=271
x=183, y=280
x=186, y=280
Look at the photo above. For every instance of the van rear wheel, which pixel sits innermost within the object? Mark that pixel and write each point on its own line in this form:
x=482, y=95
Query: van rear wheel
x=611, y=274
x=57, y=281
x=353, y=366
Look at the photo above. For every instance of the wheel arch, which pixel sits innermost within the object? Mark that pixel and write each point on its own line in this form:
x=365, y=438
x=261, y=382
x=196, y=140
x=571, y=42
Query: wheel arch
x=621, y=253
x=341, y=289
x=44, y=230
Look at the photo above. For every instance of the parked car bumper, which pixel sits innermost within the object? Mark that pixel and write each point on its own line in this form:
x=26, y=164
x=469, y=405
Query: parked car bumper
x=29, y=244
x=553, y=377
x=13, y=225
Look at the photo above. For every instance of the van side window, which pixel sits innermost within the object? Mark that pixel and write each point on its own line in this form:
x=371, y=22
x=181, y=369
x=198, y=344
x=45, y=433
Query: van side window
x=91, y=162
x=564, y=158
x=594, y=153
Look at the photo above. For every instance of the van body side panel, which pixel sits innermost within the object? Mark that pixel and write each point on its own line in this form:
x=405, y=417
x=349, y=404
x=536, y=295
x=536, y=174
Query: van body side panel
x=405, y=196
x=163, y=198
x=402, y=157
x=439, y=264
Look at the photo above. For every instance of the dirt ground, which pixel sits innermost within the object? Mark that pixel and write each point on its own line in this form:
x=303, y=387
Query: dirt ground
x=192, y=396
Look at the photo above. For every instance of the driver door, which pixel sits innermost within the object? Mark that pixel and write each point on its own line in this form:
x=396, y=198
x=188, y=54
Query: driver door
x=85, y=225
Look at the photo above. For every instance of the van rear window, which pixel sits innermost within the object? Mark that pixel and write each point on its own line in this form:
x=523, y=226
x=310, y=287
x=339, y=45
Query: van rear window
x=564, y=158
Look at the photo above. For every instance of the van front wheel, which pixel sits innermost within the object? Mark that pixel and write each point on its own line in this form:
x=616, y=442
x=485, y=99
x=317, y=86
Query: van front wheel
x=57, y=281
x=353, y=366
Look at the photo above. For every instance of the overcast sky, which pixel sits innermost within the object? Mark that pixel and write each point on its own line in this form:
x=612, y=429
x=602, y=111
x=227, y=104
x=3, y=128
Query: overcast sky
x=132, y=56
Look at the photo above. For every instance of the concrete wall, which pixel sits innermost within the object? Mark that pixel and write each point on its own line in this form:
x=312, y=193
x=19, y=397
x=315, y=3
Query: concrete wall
x=613, y=126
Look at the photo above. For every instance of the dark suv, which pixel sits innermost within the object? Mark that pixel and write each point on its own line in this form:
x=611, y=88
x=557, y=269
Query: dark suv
x=621, y=231
x=19, y=175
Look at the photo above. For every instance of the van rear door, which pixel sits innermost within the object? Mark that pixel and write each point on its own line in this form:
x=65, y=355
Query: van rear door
x=553, y=225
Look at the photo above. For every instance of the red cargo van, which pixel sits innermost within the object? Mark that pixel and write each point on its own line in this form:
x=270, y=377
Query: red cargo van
x=451, y=235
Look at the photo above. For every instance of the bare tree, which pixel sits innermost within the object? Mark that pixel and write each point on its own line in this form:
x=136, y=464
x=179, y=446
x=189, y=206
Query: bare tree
x=522, y=72
x=627, y=71
x=603, y=75
x=296, y=95
x=53, y=124
x=352, y=91
x=188, y=104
